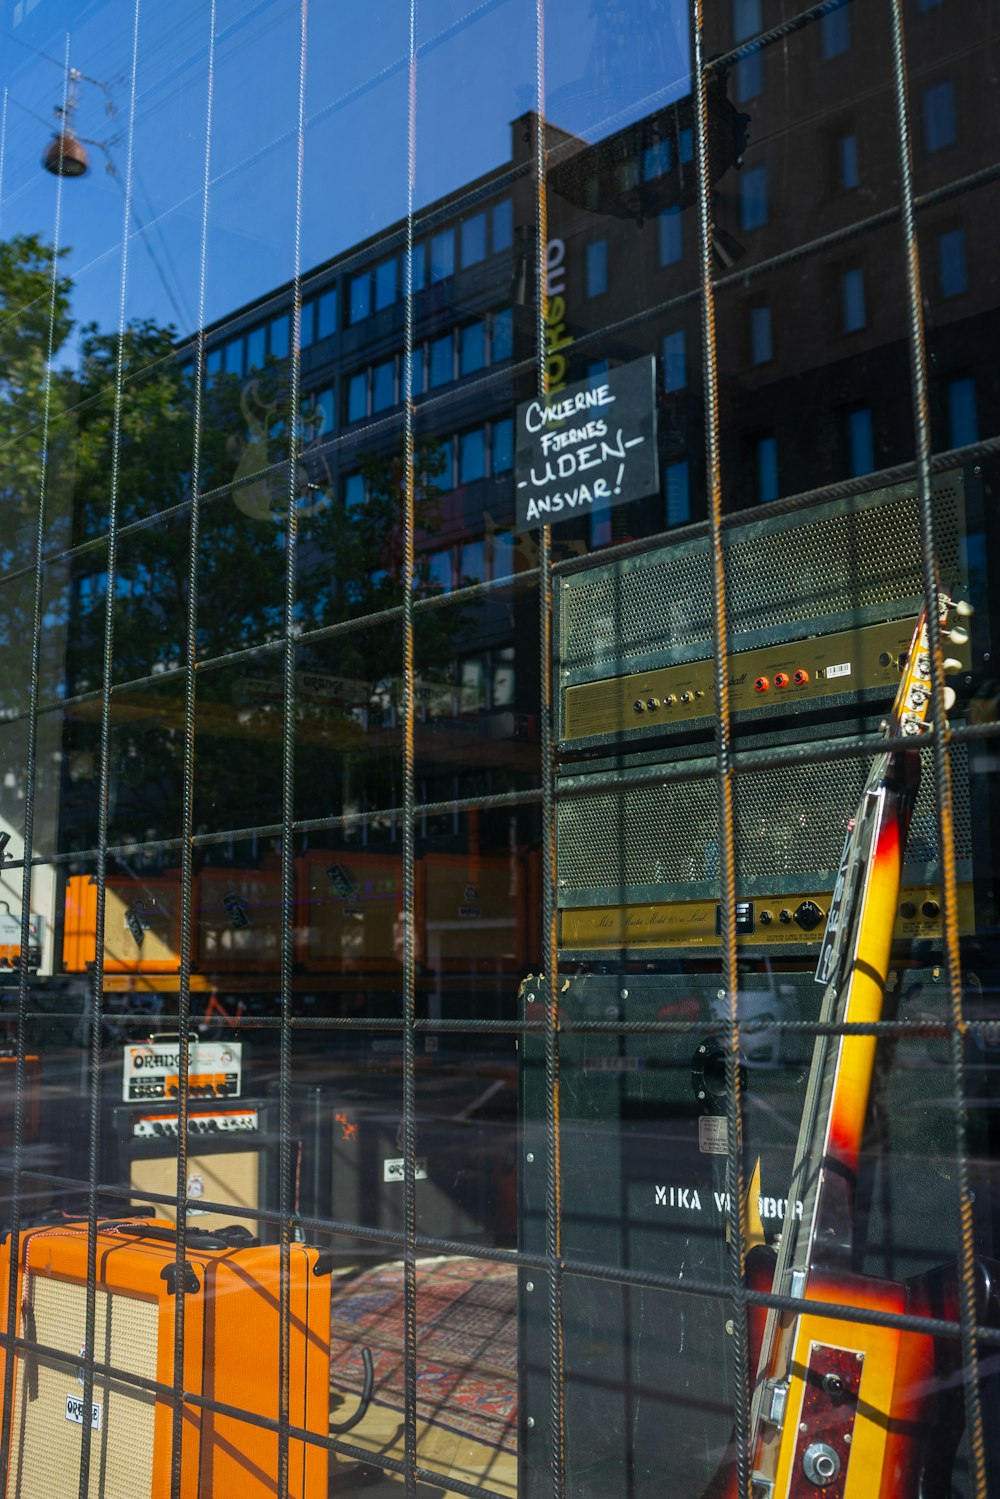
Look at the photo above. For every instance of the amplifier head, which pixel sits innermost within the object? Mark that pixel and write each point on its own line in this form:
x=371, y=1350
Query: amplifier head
x=819, y=602
x=638, y=863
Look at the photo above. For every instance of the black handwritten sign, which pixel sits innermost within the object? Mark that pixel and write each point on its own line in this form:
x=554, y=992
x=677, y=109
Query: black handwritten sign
x=588, y=446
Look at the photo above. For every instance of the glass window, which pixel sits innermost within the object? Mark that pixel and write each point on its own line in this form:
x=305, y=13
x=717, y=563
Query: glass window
x=442, y=360
x=767, y=468
x=472, y=684
x=472, y=456
x=324, y=412
x=852, y=299
x=685, y=145
x=600, y=526
x=963, y=418
x=929, y=4
x=414, y=366
x=361, y=296
x=474, y=239
x=384, y=385
x=940, y=128
x=443, y=477
x=503, y=335
x=472, y=562
x=503, y=554
x=835, y=31
x=256, y=348
x=307, y=324
x=418, y=261
x=503, y=225
x=439, y=570
x=357, y=396
x=749, y=70
x=234, y=357
x=953, y=276
x=279, y=334
x=213, y=361
x=761, y=349
x=326, y=313
x=597, y=267
x=860, y=440
x=442, y=255
x=674, y=361
x=386, y=289
x=753, y=198
x=502, y=446
x=847, y=161
x=471, y=348
x=354, y=491
x=657, y=159
x=678, y=497
x=671, y=247
x=502, y=694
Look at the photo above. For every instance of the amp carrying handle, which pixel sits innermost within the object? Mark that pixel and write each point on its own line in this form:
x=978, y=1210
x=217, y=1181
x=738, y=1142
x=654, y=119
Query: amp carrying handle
x=366, y=1395
x=233, y=1236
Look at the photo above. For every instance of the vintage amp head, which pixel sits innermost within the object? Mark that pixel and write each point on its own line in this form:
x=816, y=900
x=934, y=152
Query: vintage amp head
x=638, y=861
x=821, y=605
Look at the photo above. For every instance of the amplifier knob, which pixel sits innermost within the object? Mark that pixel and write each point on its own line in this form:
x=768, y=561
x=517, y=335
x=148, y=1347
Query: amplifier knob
x=885, y=659
x=808, y=915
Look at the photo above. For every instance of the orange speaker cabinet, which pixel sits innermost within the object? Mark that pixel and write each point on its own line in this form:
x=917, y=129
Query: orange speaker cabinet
x=142, y=924
x=350, y=911
x=239, y=920
x=472, y=912
x=32, y=1091
x=231, y=1343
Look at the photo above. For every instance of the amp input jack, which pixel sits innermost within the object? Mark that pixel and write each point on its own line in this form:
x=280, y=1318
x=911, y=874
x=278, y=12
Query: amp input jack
x=780, y=679
x=761, y=684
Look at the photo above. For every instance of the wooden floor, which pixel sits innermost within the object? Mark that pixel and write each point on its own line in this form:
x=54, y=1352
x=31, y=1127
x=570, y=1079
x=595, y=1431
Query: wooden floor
x=445, y=1452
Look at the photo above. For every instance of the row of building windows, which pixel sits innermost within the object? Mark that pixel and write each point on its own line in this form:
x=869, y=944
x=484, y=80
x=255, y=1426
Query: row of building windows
x=480, y=452
x=484, y=233
x=459, y=352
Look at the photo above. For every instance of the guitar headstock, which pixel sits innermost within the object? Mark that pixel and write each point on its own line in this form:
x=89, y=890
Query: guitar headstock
x=910, y=711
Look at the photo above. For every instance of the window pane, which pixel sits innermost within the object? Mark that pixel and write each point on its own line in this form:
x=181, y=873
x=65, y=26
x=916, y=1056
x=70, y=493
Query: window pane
x=472, y=562
x=939, y=116
x=256, y=348
x=859, y=431
x=326, y=314
x=685, y=145
x=503, y=554
x=767, y=468
x=952, y=271
x=419, y=266
x=597, y=267
x=848, y=160
x=354, y=492
x=503, y=445
x=503, y=225
x=503, y=677
x=657, y=159
x=503, y=335
x=835, y=31
x=760, y=335
x=471, y=456
x=415, y=367
x=361, y=296
x=234, y=357
x=678, y=497
x=963, y=418
x=213, y=361
x=279, y=336
x=474, y=239
x=670, y=236
x=357, y=397
x=471, y=348
x=442, y=361
x=384, y=385
x=439, y=571
x=753, y=198
x=324, y=413
x=443, y=255
x=852, y=288
x=674, y=361
x=385, y=283
x=749, y=71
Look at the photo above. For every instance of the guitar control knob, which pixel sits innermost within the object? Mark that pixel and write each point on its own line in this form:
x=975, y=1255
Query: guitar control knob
x=820, y=1463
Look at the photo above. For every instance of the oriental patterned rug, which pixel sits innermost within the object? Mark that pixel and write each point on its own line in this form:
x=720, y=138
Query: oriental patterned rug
x=466, y=1344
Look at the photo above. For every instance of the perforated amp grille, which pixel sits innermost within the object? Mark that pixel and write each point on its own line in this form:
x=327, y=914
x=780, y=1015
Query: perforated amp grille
x=790, y=822
x=828, y=562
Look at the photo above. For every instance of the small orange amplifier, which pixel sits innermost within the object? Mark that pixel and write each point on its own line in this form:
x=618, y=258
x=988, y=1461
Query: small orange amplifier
x=32, y=1089
x=231, y=1353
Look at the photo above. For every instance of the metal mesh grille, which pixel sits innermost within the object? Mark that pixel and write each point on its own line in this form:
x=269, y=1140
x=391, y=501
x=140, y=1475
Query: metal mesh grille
x=793, y=570
x=789, y=821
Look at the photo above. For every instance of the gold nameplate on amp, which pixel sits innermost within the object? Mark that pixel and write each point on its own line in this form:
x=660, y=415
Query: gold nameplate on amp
x=776, y=677
x=771, y=921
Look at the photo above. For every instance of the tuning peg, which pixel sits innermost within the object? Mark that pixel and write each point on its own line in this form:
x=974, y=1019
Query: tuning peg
x=952, y=664
x=959, y=635
x=949, y=699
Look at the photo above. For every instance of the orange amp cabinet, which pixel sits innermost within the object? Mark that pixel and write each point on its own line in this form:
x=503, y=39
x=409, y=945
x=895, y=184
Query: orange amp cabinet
x=238, y=920
x=349, y=911
x=472, y=912
x=231, y=1349
x=142, y=924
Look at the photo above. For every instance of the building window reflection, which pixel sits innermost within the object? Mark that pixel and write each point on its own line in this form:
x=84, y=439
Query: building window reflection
x=847, y=162
x=671, y=248
x=678, y=493
x=597, y=267
x=749, y=70
x=953, y=276
x=835, y=32
x=761, y=348
x=767, y=467
x=963, y=417
x=860, y=440
x=753, y=198
x=852, y=300
x=940, y=128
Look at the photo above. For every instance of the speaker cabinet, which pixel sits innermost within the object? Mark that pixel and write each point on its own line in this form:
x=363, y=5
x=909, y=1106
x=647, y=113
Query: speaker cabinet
x=231, y=1354
x=232, y=1156
x=644, y=1188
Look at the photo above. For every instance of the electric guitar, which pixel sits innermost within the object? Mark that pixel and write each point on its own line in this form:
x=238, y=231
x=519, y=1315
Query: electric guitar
x=845, y=1409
